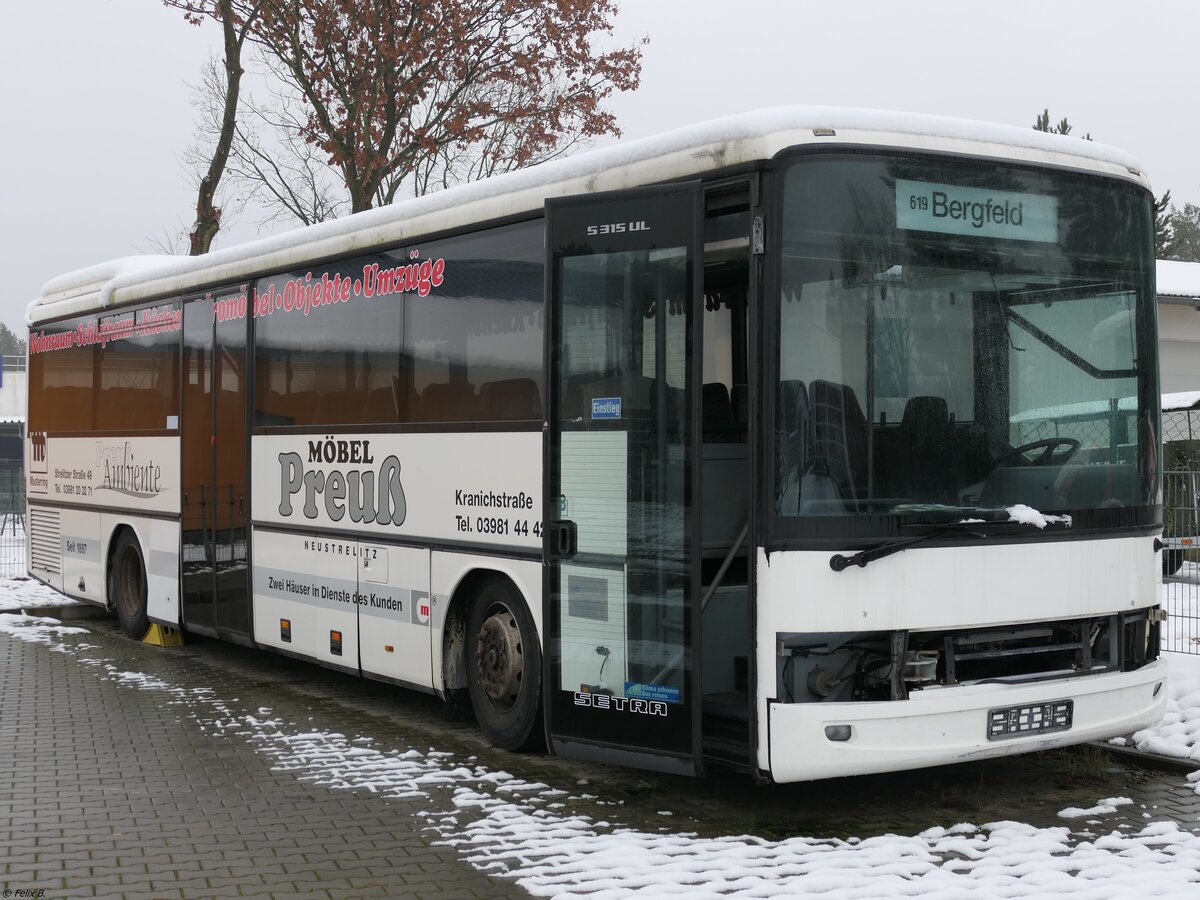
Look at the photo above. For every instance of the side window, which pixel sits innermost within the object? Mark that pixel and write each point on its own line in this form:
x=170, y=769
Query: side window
x=117, y=372
x=474, y=345
x=60, y=378
x=327, y=363
x=449, y=331
x=137, y=370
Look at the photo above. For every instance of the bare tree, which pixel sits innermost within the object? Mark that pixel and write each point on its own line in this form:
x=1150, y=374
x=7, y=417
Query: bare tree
x=495, y=151
x=237, y=19
x=276, y=166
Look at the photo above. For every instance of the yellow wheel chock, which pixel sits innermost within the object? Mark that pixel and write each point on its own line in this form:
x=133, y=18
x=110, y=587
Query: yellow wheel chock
x=163, y=636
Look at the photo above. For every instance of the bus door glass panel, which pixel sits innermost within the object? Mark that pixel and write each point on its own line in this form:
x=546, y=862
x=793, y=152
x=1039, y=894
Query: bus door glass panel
x=230, y=450
x=196, y=430
x=621, y=593
x=394, y=613
x=215, y=501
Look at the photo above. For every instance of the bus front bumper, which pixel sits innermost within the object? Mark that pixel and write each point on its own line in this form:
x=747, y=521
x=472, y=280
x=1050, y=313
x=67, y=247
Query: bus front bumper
x=949, y=725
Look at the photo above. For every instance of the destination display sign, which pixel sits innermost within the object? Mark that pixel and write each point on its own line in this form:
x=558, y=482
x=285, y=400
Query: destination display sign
x=949, y=209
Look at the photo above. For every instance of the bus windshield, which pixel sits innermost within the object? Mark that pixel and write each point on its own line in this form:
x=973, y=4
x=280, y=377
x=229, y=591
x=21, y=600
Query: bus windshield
x=957, y=338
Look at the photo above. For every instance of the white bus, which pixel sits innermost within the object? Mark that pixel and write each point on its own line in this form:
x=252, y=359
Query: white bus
x=705, y=449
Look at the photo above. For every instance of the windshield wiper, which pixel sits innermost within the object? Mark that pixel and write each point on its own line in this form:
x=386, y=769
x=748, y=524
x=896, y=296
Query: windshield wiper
x=839, y=562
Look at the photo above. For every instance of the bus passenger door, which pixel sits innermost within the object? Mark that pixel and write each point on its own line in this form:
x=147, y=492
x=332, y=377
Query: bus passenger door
x=621, y=599
x=214, y=451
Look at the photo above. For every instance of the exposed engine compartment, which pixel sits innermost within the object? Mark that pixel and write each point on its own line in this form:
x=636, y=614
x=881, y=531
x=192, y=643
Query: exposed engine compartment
x=872, y=666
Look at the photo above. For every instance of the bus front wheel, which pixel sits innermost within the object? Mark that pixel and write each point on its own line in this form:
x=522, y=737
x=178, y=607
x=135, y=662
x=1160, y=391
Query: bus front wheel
x=127, y=586
x=504, y=666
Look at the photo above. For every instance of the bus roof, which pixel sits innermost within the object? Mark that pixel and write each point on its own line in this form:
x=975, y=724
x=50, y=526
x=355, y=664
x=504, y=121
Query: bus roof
x=677, y=154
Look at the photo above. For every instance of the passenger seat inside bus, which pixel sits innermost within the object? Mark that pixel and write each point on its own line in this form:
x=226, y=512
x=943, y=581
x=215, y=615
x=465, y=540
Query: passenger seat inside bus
x=451, y=401
x=381, y=406
x=339, y=408
x=719, y=423
x=837, y=475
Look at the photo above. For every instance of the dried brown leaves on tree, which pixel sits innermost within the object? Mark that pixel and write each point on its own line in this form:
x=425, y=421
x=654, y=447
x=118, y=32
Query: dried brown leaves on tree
x=406, y=96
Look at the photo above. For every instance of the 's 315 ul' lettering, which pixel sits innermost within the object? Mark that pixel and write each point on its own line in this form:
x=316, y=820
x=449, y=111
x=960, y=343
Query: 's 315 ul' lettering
x=617, y=228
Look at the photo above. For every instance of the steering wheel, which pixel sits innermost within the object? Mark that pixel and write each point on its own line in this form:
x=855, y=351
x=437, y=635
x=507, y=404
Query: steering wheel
x=1055, y=452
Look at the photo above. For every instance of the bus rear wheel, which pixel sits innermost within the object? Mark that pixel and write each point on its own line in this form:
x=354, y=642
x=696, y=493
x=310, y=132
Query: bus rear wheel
x=504, y=666
x=127, y=586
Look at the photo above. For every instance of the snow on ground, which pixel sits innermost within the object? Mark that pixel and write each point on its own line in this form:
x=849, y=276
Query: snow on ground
x=35, y=629
x=1102, y=808
x=1178, y=733
x=19, y=594
x=525, y=831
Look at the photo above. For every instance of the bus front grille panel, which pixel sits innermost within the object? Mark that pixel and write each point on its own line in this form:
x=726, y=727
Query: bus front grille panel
x=1034, y=651
x=45, y=540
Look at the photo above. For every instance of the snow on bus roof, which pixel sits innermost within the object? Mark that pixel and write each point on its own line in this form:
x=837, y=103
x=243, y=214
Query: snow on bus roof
x=1177, y=279
x=675, y=154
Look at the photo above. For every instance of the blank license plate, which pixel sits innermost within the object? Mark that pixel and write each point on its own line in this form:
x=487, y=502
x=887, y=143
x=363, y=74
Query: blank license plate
x=1037, y=718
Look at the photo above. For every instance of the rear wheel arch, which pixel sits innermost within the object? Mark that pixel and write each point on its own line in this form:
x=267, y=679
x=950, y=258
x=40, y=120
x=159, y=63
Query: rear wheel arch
x=127, y=581
x=454, y=629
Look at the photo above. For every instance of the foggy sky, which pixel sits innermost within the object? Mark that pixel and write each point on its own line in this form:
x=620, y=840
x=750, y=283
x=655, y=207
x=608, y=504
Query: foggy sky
x=97, y=108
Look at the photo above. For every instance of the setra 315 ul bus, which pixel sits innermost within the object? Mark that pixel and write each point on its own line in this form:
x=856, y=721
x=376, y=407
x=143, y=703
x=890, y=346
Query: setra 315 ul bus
x=707, y=448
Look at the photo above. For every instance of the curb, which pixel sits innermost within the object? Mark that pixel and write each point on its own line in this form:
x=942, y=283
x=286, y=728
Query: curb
x=1144, y=760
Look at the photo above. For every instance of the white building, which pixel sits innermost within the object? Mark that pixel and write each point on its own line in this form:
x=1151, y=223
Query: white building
x=12, y=410
x=1179, y=325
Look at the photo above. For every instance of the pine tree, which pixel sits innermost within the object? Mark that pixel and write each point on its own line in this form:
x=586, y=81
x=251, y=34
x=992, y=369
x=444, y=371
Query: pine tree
x=1164, y=226
x=1042, y=123
x=10, y=344
x=1184, y=243
x=1166, y=216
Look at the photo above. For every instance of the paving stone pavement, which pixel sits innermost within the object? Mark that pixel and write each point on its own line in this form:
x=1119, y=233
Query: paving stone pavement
x=113, y=786
x=108, y=791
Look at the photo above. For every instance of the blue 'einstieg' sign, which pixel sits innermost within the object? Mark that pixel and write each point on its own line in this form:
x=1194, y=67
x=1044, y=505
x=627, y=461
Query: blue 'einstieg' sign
x=949, y=209
x=606, y=407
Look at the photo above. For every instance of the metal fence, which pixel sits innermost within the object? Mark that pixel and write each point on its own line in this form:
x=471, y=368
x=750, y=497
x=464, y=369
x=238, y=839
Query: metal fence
x=12, y=520
x=1181, y=512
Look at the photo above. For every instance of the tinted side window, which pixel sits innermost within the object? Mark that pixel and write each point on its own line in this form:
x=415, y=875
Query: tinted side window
x=332, y=362
x=137, y=370
x=118, y=372
x=474, y=346
x=60, y=378
x=444, y=332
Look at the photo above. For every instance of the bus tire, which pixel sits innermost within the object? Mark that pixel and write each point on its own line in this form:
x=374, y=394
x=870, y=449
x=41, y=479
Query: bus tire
x=1172, y=562
x=504, y=666
x=127, y=586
